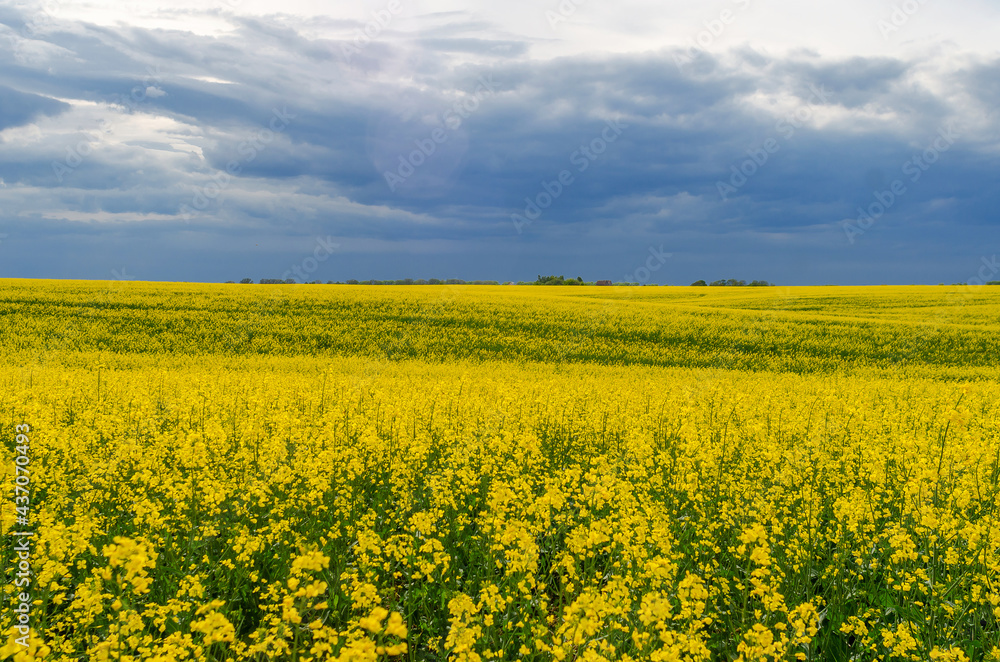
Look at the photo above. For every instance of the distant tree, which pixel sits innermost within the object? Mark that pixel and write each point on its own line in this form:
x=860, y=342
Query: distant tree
x=558, y=280
x=699, y=283
x=230, y=281
x=290, y=281
x=433, y=281
x=247, y=281
x=732, y=282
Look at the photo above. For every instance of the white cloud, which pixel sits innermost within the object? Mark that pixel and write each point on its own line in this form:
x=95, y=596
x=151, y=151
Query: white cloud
x=211, y=79
x=103, y=216
x=848, y=27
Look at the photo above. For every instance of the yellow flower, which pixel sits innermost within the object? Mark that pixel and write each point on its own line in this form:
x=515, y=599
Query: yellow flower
x=373, y=622
x=395, y=627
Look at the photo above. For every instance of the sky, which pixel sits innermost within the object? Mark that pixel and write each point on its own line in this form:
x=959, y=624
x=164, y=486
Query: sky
x=804, y=143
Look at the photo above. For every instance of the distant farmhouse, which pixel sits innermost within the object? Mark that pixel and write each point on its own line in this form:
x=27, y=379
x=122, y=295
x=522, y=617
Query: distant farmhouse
x=603, y=282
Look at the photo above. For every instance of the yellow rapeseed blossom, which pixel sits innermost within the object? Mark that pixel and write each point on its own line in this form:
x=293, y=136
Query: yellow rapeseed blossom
x=354, y=473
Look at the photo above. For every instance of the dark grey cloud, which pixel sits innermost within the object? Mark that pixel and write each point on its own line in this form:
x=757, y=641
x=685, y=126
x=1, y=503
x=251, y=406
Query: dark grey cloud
x=983, y=82
x=416, y=151
x=854, y=82
x=18, y=108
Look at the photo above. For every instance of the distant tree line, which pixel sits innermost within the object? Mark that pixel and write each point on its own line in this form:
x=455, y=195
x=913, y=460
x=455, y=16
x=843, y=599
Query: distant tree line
x=732, y=282
x=403, y=281
x=559, y=280
x=421, y=281
x=541, y=280
x=562, y=280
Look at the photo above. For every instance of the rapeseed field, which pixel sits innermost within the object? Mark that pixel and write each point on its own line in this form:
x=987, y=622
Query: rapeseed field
x=476, y=473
